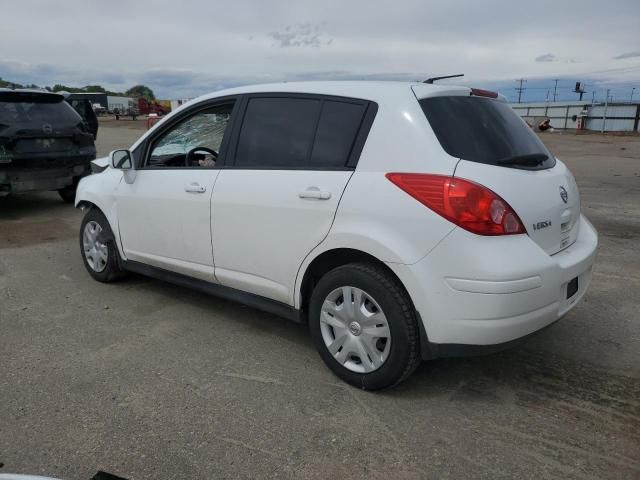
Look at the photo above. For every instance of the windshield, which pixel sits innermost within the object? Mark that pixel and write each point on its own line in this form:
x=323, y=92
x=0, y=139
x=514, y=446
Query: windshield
x=486, y=131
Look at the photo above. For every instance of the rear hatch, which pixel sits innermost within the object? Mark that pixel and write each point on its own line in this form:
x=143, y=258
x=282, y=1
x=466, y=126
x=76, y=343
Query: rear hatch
x=40, y=129
x=497, y=149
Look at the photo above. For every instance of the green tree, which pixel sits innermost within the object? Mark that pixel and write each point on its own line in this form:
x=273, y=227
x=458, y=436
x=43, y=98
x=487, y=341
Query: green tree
x=141, y=91
x=8, y=84
x=94, y=89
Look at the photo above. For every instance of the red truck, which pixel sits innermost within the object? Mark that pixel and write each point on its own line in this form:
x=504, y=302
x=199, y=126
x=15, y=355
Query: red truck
x=145, y=107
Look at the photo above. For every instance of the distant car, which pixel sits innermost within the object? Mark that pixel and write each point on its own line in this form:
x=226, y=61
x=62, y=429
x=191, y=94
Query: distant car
x=400, y=221
x=99, y=109
x=44, y=143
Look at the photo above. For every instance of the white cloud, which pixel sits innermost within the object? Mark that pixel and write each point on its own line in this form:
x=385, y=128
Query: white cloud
x=548, y=57
x=627, y=55
x=184, y=48
x=300, y=35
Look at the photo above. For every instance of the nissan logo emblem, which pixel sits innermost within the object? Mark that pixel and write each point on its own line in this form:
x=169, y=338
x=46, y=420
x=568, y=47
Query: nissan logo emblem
x=564, y=195
x=47, y=128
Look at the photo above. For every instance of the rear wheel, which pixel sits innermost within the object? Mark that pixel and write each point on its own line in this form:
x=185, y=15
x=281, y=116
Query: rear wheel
x=99, y=252
x=364, y=326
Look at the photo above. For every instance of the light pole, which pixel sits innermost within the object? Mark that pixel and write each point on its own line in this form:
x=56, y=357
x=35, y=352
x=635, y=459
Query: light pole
x=633, y=89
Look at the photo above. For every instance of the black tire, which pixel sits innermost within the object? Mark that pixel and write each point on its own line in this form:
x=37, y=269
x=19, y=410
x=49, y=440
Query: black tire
x=386, y=290
x=112, y=270
x=68, y=194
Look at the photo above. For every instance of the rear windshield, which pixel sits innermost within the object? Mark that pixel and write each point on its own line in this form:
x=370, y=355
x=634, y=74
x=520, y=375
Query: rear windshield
x=28, y=110
x=486, y=131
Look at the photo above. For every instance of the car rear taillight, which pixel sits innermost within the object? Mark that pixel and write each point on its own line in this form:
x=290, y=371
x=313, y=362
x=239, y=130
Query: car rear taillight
x=467, y=204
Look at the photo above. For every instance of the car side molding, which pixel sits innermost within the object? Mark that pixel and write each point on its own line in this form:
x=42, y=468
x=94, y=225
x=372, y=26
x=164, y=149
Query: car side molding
x=249, y=299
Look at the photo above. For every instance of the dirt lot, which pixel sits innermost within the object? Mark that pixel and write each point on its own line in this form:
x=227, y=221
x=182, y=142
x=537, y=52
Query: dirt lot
x=147, y=380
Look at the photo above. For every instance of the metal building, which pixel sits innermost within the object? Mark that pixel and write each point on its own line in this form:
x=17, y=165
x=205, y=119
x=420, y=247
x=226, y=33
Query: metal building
x=615, y=117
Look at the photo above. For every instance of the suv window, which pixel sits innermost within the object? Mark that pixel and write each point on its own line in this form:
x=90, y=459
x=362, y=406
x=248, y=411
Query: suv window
x=36, y=110
x=483, y=130
x=282, y=132
x=201, y=134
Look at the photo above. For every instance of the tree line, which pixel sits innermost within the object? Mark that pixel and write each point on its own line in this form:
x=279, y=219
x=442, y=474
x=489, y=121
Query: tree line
x=135, y=91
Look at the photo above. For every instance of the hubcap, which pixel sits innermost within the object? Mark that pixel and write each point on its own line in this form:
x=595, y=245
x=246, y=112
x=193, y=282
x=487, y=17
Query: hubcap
x=355, y=329
x=95, y=252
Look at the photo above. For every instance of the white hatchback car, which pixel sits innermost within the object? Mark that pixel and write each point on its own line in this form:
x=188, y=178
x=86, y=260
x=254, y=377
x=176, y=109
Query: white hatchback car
x=400, y=221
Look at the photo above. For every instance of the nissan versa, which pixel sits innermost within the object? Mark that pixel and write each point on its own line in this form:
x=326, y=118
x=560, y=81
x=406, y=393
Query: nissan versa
x=400, y=221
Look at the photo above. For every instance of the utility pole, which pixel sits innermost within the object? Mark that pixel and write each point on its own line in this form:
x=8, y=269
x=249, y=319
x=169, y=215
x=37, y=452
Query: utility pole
x=520, y=89
x=555, y=89
x=604, y=113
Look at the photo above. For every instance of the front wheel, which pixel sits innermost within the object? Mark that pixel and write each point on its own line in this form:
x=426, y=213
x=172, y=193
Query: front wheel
x=99, y=252
x=364, y=326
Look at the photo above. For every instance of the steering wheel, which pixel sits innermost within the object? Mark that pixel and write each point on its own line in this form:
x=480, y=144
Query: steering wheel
x=187, y=158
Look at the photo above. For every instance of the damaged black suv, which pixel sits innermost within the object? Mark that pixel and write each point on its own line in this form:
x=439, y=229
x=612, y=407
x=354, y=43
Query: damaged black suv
x=44, y=143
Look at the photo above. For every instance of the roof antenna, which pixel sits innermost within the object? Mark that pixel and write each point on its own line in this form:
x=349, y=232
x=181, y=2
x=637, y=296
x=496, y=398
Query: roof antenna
x=435, y=79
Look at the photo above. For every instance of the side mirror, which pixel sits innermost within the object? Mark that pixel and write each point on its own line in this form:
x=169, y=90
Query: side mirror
x=121, y=159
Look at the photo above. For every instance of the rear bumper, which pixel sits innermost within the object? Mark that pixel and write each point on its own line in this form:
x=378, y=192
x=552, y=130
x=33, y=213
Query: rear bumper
x=27, y=180
x=489, y=291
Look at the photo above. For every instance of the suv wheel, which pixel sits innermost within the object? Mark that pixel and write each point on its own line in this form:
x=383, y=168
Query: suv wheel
x=100, y=256
x=68, y=194
x=364, y=326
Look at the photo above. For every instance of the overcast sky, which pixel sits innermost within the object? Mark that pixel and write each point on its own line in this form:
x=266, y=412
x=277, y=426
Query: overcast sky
x=184, y=48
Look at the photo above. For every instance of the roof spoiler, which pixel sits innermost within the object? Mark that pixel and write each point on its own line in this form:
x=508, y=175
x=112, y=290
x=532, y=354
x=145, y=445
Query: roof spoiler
x=435, y=79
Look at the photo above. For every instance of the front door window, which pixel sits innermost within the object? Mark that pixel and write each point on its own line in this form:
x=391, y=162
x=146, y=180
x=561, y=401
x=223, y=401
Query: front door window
x=194, y=142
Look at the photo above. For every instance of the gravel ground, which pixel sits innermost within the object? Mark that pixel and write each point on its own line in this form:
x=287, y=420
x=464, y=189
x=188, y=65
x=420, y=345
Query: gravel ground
x=147, y=380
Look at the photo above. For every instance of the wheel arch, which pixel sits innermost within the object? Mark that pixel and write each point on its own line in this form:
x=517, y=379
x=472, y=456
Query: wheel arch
x=89, y=196
x=327, y=261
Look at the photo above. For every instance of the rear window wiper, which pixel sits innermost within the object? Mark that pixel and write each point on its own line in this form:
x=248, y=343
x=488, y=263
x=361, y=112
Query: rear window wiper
x=528, y=160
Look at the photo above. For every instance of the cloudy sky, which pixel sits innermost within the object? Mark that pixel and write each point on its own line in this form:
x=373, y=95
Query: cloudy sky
x=188, y=47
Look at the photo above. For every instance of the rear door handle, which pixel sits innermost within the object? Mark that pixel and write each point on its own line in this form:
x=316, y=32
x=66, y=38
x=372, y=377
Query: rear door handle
x=195, y=188
x=316, y=193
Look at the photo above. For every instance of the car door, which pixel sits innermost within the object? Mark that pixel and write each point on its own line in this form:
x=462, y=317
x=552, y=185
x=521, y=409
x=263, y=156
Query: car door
x=164, y=214
x=292, y=158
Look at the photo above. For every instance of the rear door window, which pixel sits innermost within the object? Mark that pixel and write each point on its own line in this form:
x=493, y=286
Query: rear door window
x=298, y=132
x=337, y=129
x=486, y=131
x=277, y=132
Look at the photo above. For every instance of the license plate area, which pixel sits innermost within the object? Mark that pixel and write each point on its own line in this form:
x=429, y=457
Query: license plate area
x=572, y=287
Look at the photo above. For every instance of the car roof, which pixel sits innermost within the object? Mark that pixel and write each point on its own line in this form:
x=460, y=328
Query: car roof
x=29, y=92
x=382, y=92
x=370, y=90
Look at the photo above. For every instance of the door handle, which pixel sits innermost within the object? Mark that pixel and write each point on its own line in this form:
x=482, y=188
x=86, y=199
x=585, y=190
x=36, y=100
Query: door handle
x=195, y=188
x=315, y=193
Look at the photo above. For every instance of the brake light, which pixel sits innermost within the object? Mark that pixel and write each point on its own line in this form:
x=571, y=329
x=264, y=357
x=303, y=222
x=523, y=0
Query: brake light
x=479, y=92
x=467, y=204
